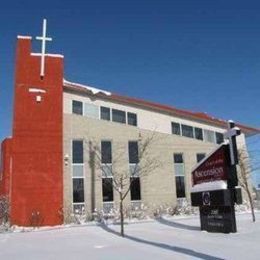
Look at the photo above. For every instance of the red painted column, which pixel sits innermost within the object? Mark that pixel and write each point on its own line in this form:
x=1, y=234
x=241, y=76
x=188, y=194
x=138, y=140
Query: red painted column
x=37, y=158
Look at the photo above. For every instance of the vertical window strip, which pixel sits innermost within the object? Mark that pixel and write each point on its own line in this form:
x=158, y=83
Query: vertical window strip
x=78, y=188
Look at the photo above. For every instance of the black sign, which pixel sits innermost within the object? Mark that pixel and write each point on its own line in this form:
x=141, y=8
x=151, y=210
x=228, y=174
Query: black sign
x=218, y=219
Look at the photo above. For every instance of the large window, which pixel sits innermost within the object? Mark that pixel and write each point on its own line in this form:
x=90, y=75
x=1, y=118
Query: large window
x=198, y=133
x=179, y=174
x=219, y=138
x=176, y=129
x=132, y=119
x=133, y=152
x=78, y=175
x=106, y=152
x=187, y=131
x=77, y=151
x=107, y=189
x=77, y=107
x=105, y=113
x=135, y=188
x=107, y=174
x=118, y=116
x=78, y=190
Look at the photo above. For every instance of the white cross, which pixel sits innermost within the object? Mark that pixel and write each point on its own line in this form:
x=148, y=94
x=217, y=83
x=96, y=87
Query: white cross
x=43, y=38
x=231, y=132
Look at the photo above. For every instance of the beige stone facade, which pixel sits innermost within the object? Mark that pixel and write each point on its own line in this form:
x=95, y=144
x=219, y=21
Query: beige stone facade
x=159, y=186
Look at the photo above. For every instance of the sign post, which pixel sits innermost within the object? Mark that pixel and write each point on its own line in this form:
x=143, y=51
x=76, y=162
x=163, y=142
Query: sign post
x=215, y=183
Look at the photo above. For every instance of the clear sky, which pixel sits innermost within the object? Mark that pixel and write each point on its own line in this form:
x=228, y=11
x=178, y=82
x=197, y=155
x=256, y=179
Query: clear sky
x=199, y=55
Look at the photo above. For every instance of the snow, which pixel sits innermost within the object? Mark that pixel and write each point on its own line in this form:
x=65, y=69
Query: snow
x=48, y=55
x=37, y=90
x=24, y=37
x=92, y=89
x=207, y=186
x=165, y=238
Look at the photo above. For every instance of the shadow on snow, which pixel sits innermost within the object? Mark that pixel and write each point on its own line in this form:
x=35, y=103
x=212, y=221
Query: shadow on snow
x=176, y=225
x=177, y=249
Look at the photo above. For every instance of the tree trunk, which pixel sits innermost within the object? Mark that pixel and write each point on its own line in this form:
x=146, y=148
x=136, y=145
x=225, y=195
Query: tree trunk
x=251, y=204
x=121, y=215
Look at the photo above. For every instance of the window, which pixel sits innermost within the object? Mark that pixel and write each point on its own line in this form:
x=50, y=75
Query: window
x=78, y=175
x=78, y=190
x=179, y=174
x=219, y=138
x=91, y=110
x=118, y=116
x=180, y=186
x=107, y=189
x=77, y=107
x=198, y=133
x=200, y=156
x=105, y=113
x=131, y=119
x=178, y=158
x=187, y=131
x=77, y=151
x=106, y=152
x=135, y=188
x=133, y=152
x=209, y=136
x=176, y=129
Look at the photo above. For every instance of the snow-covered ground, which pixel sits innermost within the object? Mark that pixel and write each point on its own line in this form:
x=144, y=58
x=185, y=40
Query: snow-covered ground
x=167, y=238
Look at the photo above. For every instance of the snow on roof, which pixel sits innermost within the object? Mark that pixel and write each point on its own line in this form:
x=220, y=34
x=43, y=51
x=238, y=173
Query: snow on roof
x=48, y=55
x=24, y=37
x=93, y=90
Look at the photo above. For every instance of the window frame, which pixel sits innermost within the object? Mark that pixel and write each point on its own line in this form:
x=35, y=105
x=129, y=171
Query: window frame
x=82, y=107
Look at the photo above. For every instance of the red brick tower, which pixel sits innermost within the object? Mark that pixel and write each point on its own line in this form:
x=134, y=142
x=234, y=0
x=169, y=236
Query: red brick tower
x=36, y=159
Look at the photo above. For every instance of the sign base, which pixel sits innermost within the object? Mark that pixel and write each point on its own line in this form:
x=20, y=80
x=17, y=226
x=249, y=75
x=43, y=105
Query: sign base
x=218, y=219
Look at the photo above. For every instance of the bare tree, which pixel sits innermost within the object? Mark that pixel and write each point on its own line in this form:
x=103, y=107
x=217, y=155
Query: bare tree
x=4, y=209
x=120, y=178
x=244, y=177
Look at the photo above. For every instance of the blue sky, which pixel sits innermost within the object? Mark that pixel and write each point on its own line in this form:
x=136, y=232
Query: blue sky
x=198, y=55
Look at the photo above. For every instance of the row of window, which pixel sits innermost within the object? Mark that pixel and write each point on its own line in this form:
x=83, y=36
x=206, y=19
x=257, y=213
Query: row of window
x=104, y=113
x=197, y=133
x=107, y=180
x=107, y=176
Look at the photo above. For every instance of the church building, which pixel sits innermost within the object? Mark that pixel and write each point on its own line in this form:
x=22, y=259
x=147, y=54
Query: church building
x=45, y=165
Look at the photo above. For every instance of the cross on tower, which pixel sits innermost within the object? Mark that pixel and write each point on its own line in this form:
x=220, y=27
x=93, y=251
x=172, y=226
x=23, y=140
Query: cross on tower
x=43, y=38
x=231, y=134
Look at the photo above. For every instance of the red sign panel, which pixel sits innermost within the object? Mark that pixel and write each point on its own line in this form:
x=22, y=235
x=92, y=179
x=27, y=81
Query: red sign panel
x=212, y=168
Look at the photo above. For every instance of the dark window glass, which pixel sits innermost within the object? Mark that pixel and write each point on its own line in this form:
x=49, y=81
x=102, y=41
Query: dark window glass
x=118, y=116
x=176, y=129
x=135, y=189
x=133, y=152
x=200, y=156
x=107, y=188
x=180, y=187
x=77, y=151
x=198, y=133
x=106, y=152
x=132, y=119
x=187, y=131
x=178, y=158
x=105, y=113
x=77, y=107
x=219, y=138
x=78, y=190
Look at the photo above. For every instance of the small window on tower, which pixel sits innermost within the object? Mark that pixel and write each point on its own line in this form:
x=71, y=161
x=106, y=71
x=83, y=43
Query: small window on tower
x=77, y=107
x=219, y=138
x=176, y=129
